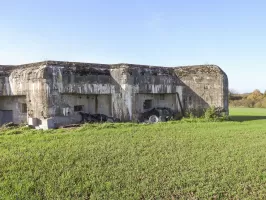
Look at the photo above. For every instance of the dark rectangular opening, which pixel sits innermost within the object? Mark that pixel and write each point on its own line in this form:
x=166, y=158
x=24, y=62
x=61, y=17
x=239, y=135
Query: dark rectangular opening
x=7, y=116
x=78, y=108
x=23, y=108
x=147, y=104
x=190, y=100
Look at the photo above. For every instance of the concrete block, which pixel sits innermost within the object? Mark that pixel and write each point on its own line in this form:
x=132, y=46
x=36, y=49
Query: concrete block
x=33, y=122
x=47, y=124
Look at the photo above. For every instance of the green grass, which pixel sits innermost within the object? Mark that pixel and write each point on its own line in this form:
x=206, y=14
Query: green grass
x=174, y=160
x=248, y=114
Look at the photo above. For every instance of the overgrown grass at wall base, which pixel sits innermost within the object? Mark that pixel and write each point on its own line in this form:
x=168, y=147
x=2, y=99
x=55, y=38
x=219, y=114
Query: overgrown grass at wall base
x=173, y=160
x=210, y=114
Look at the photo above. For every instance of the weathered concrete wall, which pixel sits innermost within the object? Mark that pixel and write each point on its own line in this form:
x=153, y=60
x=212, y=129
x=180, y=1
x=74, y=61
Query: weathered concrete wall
x=204, y=86
x=122, y=98
x=78, y=85
x=122, y=81
x=14, y=104
x=30, y=81
x=136, y=80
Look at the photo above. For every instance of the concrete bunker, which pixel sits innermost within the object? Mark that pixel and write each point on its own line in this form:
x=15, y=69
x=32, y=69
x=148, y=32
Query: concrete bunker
x=52, y=93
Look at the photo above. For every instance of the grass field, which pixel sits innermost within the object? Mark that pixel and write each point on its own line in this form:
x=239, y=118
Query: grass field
x=247, y=114
x=174, y=160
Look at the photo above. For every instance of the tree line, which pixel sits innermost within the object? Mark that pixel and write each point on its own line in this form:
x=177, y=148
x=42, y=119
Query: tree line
x=256, y=99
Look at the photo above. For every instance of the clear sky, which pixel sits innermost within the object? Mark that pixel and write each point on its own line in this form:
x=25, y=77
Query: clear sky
x=228, y=33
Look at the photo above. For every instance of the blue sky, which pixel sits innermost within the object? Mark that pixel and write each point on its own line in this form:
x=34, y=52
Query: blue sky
x=231, y=34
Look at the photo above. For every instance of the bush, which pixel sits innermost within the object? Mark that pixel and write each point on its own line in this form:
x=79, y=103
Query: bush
x=210, y=114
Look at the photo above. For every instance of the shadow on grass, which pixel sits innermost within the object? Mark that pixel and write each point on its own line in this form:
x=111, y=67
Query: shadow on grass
x=246, y=118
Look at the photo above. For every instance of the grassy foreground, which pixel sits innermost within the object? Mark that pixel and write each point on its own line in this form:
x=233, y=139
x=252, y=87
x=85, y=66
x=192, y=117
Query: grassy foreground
x=175, y=160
